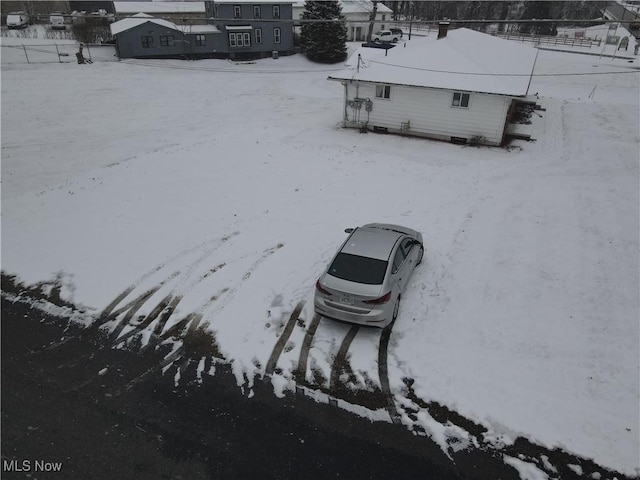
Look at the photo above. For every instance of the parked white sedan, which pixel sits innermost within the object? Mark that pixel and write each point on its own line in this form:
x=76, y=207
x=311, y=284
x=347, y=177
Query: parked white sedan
x=364, y=281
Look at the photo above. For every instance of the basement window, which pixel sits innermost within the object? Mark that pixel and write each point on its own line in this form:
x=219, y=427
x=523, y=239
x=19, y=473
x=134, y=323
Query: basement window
x=460, y=100
x=383, y=91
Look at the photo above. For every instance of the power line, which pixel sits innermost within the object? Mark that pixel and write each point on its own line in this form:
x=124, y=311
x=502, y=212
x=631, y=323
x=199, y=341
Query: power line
x=501, y=74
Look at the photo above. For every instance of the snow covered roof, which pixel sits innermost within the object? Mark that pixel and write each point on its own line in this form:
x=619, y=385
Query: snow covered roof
x=158, y=7
x=352, y=6
x=464, y=60
x=199, y=29
x=275, y=2
x=362, y=6
x=140, y=18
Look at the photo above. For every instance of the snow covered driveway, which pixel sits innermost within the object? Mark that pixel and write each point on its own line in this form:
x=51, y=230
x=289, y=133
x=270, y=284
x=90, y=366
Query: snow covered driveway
x=229, y=186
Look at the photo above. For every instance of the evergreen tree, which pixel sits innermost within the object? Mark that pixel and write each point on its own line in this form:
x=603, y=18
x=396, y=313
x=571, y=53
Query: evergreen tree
x=324, y=41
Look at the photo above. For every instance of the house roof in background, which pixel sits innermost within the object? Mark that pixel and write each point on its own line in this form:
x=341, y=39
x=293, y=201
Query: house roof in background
x=464, y=60
x=353, y=6
x=275, y=2
x=199, y=29
x=362, y=6
x=158, y=7
x=141, y=18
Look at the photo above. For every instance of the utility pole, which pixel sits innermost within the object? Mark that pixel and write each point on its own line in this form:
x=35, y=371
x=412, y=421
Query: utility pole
x=372, y=19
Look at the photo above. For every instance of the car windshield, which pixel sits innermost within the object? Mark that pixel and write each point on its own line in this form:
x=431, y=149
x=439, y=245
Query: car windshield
x=355, y=268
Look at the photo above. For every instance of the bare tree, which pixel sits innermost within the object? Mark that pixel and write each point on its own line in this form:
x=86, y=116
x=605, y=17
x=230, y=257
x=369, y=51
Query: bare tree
x=372, y=20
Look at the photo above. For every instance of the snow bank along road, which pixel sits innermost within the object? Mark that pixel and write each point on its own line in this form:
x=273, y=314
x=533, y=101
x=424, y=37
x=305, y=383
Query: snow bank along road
x=172, y=202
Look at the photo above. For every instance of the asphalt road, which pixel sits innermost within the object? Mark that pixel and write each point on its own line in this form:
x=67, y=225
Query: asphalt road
x=63, y=412
x=75, y=408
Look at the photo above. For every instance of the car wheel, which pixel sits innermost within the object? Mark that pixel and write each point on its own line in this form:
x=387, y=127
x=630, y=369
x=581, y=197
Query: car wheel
x=376, y=40
x=420, y=255
x=395, y=40
x=396, y=309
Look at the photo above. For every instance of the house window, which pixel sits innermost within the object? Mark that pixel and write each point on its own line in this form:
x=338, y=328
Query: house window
x=276, y=35
x=384, y=17
x=201, y=40
x=239, y=39
x=258, y=35
x=276, y=11
x=256, y=11
x=383, y=91
x=237, y=11
x=460, y=100
x=147, y=42
x=167, y=41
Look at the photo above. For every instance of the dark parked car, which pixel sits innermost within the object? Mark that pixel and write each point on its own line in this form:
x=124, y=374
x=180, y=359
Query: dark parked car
x=396, y=31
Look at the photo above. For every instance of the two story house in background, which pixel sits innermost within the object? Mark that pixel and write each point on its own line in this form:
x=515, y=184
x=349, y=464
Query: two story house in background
x=253, y=28
x=357, y=16
x=236, y=29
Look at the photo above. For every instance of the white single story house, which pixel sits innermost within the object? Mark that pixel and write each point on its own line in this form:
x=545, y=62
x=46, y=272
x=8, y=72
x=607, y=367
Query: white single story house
x=462, y=87
x=357, y=15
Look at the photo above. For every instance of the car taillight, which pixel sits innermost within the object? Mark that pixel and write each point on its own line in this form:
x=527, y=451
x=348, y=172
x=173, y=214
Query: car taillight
x=378, y=301
x=322, y=290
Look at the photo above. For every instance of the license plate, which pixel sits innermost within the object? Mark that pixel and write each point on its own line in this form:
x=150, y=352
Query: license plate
x=346, y=300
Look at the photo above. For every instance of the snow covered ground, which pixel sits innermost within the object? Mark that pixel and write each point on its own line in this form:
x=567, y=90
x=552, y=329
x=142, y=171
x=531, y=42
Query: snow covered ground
x=228, y=186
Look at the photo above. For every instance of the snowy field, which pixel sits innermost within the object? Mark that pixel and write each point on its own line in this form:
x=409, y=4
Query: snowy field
x=228, y=186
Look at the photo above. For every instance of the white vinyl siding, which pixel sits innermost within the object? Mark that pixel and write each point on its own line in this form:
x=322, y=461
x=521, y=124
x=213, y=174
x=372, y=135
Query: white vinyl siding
x=429, y=112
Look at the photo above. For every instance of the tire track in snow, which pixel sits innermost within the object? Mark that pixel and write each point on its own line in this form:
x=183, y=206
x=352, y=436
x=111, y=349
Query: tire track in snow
x=229, y=293
x=383, y=373
x=107, y=312
x=340, y=361
x=283, y=339
x=165, y=308
x=301, y=370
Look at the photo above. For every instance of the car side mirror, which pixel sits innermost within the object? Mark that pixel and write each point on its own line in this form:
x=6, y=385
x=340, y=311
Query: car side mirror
x=349, y=230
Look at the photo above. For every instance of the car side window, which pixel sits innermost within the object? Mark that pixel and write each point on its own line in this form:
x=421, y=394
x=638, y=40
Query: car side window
x=397, y=260
x=406, y=246
x=401, y=254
